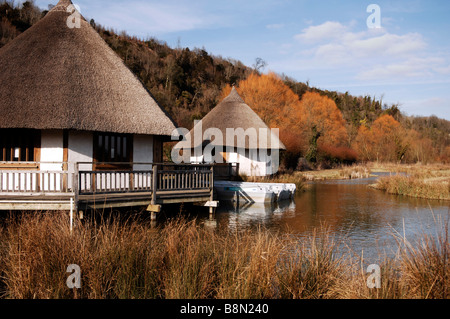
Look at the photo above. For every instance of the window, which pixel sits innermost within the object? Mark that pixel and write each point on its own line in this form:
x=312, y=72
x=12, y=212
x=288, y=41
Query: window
x=110, y=148
x=19, y=145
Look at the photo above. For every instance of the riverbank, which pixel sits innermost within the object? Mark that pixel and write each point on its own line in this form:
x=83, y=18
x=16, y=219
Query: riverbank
x=184, y=260
x=420, y=181
x=300, y=178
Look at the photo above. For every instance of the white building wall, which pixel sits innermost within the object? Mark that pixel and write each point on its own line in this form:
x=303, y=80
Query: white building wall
x=80, y=150
x=52, y=155
x=142, y=151
x=52, y=150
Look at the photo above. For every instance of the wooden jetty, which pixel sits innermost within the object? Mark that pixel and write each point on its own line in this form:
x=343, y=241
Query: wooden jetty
x=80, y=190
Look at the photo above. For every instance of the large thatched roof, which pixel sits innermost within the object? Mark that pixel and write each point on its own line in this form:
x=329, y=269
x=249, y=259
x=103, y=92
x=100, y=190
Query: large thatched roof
x=233, y=113
x=56, y=77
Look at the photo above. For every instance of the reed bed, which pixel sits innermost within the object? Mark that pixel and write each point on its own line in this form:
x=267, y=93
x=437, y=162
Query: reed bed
x=355, y=171
x=415, y=186
x=185, y=260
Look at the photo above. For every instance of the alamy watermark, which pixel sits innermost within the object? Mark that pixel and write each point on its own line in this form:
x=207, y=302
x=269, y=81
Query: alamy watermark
x=74, y=20
x=374, y=20
x=374, y=279
x=74, y=280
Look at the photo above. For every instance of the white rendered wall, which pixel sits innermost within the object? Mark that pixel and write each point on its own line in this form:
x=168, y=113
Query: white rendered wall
x=52, y=150
x=142, y=151
x=80, y=149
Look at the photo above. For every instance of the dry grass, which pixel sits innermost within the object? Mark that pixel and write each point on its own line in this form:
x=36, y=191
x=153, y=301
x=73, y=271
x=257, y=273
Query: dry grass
x=345, y=172
x=185, y=260
x=421, y=181
x=300, y=178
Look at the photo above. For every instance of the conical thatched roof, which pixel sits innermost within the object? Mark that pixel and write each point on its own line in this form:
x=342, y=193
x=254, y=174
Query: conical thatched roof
x=232, y=112
x=56, y=77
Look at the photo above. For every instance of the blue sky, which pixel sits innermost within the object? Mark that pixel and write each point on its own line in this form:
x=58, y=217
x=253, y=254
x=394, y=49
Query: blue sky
x=327, y=43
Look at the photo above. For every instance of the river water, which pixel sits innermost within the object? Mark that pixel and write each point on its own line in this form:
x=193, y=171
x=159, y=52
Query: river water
x=360, y=218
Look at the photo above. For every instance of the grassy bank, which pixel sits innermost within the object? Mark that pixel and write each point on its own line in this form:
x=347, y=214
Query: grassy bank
x=420, y=181
x=300, y=178
x=345, y=172
x=184, y=260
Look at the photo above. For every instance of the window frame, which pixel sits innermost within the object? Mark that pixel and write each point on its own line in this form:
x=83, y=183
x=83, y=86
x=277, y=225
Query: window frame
x=28, y=140
x=108, y=158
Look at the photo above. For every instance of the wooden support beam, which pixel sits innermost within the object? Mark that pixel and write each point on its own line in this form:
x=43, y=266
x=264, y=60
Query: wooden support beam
x=154, y=184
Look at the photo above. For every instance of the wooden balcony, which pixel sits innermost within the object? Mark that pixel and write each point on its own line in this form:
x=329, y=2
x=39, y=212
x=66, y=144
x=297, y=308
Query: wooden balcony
x=68, y=186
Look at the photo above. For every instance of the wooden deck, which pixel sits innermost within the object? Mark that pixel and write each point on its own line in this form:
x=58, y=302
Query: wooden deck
x=87, y=189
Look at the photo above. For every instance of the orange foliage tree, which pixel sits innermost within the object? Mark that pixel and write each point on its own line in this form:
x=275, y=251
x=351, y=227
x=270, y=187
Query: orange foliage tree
x=383, y=141
x=420, y=149
x=322, y=125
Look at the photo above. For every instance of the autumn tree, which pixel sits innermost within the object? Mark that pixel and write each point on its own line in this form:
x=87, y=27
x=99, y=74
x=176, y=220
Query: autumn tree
x=364, y=144
x=420, y=149
x=384, y=141
x=321, y=124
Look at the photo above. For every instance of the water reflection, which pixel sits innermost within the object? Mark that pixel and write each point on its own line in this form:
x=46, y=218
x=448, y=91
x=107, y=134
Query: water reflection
x=239, y=216
x=364, y=218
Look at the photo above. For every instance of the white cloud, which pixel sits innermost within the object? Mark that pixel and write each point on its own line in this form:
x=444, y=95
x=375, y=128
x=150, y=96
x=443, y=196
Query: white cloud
x=367, y=55
x=155, y=17
x=411, y=68
x=335, y=43
x=325, y=31
x=443, y=69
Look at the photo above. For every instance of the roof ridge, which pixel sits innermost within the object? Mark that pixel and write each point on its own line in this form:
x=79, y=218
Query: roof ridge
x=62, y=5
x=233, y=97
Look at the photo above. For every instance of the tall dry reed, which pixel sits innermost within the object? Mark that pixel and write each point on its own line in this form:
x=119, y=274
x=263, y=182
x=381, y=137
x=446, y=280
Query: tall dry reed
x=183, y=259
x=414, y=187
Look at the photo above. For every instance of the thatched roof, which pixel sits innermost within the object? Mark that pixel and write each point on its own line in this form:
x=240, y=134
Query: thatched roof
x=234, y=113
x=56, y=77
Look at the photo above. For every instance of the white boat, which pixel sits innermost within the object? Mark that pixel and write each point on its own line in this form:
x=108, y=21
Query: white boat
x=281, y=191
x=244, y=192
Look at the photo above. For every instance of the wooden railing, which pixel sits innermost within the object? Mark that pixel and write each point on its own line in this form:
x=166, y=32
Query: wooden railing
x=30, y=181
x=184, y=180
x=103, y=182
x=169, y=177
x=76, y=179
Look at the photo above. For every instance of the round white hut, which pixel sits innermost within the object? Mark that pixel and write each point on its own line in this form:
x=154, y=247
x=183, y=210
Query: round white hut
x=234, y=134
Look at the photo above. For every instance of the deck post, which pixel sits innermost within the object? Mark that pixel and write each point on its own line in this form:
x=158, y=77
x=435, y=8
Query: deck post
x=153, y=208
x=71, y=215
x=76, y=186
x=211, y=197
